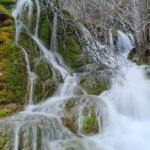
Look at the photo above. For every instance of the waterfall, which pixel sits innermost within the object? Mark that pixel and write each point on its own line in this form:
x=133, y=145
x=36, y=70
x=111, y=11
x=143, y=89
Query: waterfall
x=16, y=14
x=21, y=5
x=92, y=46
x=111, y=38
x=38, y=17
x=125, y=106
x=31, y=75
x=128, y=103
x=52, y=108
x=54, y=34
x=124, y=43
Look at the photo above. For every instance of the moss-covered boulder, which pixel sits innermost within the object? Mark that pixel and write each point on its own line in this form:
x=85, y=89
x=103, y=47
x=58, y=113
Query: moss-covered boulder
x=94, y=83
x=13, y=76
x=80, y=115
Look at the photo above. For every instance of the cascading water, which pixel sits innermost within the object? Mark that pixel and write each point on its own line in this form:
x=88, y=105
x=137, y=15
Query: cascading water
x=126, y=126
x=38, y=17
x=50, y=110
x=17, y=13
x=124, y=46
x=126, y=122
x=128, y=103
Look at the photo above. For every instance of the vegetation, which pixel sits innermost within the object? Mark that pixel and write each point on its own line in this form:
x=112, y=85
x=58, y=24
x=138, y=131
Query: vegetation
x=90, y=125
x=69, y=45
x=114, y=31
x=12, y=86
x=93, y=84
x=45, y=26
x=9, y=4
x=4, y=112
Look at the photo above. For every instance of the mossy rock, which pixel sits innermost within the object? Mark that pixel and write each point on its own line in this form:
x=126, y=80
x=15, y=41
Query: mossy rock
x=13, y=76
x=90, y=125
x=45, y=25
x=4, y=112
x=73, y=115
x=45, y=84
x=93, y=84
x=69, y=45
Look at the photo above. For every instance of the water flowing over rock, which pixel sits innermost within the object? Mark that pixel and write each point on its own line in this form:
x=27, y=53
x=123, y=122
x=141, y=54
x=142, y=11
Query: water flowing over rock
x=101, y=102
x=38, y=128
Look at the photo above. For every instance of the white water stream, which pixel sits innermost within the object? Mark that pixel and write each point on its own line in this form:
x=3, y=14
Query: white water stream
x=127, y=123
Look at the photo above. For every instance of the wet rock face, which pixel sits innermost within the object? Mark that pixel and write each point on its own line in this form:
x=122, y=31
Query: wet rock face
x=26, y=131
x=94, y=83
x=81, y=115
x=13, y=76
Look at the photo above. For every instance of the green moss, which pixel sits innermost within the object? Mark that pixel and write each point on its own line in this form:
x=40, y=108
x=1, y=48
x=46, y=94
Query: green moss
x=66, y=14
x=3, y=141
x=14, y=83
x=31, y=48
x=70, y=104
x=9, y=4
x=69, y=45
x=90, y=125
x=98, y=88
x=114, y=31
x=6, y=134
x=45, y=27
x=4, y=112
x=7, y=29
x=93, y=85
x=45, y=85
x=13, y=73
x=143, y=61
x=44, y=71
x=3, y=9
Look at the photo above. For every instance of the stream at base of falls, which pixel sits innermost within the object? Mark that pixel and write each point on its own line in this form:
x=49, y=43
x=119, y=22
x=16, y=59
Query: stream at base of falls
x=124, y=108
